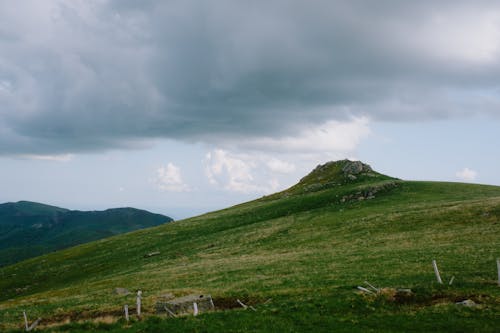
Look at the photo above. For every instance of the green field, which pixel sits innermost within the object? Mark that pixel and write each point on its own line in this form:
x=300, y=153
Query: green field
x=296, y=256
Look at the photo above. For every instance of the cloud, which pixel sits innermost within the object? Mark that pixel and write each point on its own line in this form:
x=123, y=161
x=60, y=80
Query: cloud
x=277, y=165
x=93, y=75
x=231, y=172
x=168, y=178
x=236, y=172
x=332, y=136
x=466, y=174
x=55, y=158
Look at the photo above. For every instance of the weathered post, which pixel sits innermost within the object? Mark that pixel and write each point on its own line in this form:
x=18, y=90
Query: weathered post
x=436, y=271
x=139, y=296
x=371, y=286
x=451, y=280
x=363, y=289
x=25, y=321
x=126, y=312
x=35, y=323
x=242, y=304
x=498, y=268
x=169, y=312
x=195, y=309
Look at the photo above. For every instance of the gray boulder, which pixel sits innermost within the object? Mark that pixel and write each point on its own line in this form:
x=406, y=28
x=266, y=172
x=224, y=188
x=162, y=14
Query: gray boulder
x=121, y=291
x=352, y=168
x=184, y=305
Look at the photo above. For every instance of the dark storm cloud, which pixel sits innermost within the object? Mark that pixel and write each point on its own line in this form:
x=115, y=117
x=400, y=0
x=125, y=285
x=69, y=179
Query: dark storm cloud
x=94, y=75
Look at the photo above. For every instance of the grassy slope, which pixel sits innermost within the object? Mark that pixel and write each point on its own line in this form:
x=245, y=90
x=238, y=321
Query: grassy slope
x=307, y=252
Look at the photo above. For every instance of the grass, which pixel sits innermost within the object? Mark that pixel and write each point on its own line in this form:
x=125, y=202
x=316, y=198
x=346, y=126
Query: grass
x=306, y=252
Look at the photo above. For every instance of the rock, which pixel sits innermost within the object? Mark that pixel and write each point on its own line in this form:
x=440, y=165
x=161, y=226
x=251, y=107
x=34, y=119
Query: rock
x=467, y=303
x=184, y=305
x=355, y=167
x=368, y=193
x=167, y=296
x=151, y=254
x=121, y=291
x=352, y=177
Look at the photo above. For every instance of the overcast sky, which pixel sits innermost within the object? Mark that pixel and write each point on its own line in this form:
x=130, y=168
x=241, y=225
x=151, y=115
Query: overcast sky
x=186, y=106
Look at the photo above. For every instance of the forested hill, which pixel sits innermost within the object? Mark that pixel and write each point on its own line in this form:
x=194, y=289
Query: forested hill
x=29, y=229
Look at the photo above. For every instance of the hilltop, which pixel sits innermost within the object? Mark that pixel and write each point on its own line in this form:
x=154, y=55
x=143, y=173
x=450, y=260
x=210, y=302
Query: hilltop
x=334, y=174
x=29, y=229
x=296, y=256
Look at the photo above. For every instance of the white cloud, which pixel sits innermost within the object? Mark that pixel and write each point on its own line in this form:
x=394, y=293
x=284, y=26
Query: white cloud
x=466, y=174
x=55, y=158
x=168, y=178
x=237, y=172
x=277, y=165
x=332, y=136
x=230, y=171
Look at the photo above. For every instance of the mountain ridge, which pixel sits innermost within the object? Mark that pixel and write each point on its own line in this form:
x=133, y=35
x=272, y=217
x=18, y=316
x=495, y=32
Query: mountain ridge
x=30, y=228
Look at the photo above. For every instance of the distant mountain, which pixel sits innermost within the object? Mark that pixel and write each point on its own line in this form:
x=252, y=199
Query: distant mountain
x=29, y=229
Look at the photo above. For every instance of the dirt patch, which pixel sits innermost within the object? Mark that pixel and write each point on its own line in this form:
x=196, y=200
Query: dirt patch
x=75, y=316
x=423, y=299
x=111, y=316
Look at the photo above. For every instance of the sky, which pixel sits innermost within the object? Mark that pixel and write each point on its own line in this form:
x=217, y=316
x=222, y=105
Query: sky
x=183, y=107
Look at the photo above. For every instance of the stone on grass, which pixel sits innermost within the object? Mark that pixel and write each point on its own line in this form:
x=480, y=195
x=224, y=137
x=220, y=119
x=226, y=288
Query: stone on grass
x=121, y=291
x=151, y=254
x=184, y=305
x=467, y=303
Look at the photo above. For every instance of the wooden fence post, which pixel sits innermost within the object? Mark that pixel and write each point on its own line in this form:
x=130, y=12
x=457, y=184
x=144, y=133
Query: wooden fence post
x=436, y=271
x=242, y=304
x=25, y=321
x=126, y=312
x=195, y=309
x=139, y=296
x=498, y=268
x=34, y=324
x=451, y=280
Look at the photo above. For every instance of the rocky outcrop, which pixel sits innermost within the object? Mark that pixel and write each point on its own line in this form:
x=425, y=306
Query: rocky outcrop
x=369, y=192
x=355, y=167
x=335, y=174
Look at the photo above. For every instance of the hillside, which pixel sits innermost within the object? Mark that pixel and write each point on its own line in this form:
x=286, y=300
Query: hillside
x=29, y=229
x=297, y=256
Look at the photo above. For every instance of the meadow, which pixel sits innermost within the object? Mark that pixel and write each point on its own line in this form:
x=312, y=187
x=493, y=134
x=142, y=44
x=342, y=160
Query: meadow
x=297, y=257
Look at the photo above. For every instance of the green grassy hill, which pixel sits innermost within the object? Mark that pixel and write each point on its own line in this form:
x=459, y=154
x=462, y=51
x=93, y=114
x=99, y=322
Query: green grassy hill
x=29, y=229
x=297, y=256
